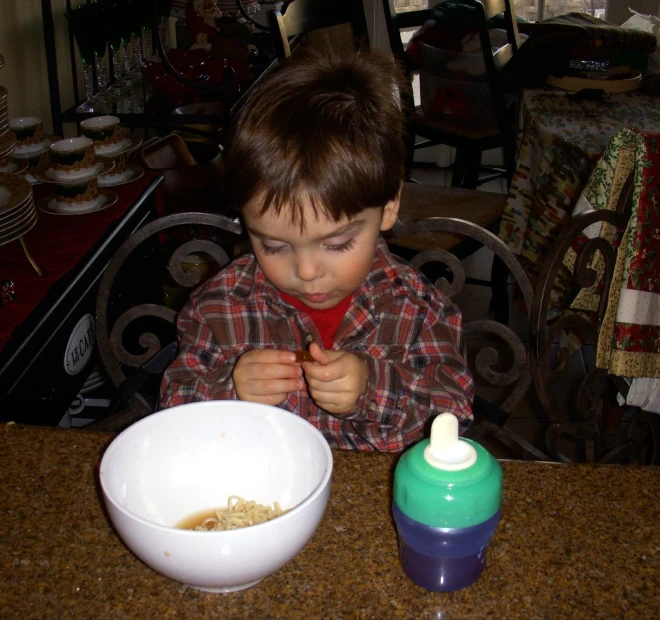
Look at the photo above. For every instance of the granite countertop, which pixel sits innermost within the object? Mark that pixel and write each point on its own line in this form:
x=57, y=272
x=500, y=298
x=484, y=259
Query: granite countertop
x=575, y=541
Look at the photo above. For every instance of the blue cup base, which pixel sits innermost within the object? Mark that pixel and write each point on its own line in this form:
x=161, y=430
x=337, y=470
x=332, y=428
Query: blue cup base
x=441, y=574
x=443, y=559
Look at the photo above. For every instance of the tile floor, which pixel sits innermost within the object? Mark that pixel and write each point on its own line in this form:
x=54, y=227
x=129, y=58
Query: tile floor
x=527, y=419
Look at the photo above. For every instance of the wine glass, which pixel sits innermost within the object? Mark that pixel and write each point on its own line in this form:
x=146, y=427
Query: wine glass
x=112, y=15
x=97, y=27
x=81, y=20
x=164, y=9
x=139, y=17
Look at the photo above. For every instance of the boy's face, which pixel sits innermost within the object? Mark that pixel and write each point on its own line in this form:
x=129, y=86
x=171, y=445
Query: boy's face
x=323, y=263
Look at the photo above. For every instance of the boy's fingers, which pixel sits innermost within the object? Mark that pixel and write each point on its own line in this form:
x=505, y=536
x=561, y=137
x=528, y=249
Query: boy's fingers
x=269, y=356
x=322, y=372
x=277, y=371
x=276, y=386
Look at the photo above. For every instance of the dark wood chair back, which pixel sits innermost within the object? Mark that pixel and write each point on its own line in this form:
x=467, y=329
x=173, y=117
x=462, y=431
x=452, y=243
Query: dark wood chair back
x=144, y=286
x=584, y=425
x=469, y=140
x=294, y=20
x=496, y=353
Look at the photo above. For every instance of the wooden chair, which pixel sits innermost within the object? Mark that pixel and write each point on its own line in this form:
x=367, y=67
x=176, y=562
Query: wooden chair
x=496, y=354
x=143, y=287
x=469, y=140
x=421, y=201
x=585, y=426
x=310, y=19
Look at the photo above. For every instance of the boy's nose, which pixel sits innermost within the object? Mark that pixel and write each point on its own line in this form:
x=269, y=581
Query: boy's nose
x=308, y=268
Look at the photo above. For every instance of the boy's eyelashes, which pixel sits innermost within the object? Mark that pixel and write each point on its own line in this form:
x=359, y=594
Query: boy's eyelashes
x=267, y=249
x=342, y=247
x=334, y=247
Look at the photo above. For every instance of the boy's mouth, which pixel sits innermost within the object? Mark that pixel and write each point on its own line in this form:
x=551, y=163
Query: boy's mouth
x=316, y=298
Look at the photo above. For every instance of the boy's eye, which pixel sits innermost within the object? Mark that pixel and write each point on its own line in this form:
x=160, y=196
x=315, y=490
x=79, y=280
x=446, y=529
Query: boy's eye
x=271, y=249
x=342, y=247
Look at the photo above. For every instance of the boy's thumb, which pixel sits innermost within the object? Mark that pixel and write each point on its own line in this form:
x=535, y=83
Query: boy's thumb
x=318, y=353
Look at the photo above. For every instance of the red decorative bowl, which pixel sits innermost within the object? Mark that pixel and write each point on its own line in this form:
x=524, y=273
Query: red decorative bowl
x=196, y=66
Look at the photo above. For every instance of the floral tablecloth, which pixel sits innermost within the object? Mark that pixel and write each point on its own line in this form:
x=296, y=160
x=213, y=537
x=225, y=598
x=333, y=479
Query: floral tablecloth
x=562, y=138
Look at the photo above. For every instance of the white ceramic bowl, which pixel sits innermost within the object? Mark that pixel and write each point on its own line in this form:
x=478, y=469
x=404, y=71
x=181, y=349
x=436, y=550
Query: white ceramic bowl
x=191, y=458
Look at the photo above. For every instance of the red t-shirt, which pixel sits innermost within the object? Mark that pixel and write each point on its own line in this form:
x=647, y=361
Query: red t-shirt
x=327, y=321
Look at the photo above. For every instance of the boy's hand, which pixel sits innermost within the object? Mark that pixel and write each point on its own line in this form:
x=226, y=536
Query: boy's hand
x=267, y=376
x=336, y=380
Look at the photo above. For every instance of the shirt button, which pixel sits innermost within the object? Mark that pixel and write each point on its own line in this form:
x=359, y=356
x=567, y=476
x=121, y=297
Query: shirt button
x=372, y=406
x=309, y=338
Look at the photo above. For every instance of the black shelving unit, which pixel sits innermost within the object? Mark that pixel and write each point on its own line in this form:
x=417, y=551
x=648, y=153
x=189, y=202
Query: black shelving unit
x=156, y=113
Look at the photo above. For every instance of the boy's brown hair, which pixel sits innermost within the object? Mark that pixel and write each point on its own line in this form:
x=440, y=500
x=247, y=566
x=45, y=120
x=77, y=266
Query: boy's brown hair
x=322, y=128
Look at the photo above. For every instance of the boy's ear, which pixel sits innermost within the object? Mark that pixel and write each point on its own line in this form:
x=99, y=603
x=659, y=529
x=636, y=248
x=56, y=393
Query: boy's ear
x=391, y=212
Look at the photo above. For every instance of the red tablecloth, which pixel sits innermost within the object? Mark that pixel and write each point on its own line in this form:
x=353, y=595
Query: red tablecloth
x=57, y=243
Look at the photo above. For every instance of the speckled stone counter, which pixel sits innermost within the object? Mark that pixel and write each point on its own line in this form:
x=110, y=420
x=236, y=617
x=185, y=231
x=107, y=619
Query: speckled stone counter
x=575, y=541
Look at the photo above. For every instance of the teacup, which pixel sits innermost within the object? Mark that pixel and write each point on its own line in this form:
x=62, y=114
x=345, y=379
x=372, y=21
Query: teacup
x=29, y=132
x=76, y=196
x=119, y=172
x=121, y=165
x=105, y=131
x=72, y=158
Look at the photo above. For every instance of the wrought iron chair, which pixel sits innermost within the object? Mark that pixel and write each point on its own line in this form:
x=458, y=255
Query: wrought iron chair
x=496, y=354
x=469, y=140
x=143, y=287
x=585, y=426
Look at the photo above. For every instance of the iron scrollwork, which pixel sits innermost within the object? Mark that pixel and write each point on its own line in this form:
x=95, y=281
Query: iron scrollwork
x=140, y=325
x=558, y=331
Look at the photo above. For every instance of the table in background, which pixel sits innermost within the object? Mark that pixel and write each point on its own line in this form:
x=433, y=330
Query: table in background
x=72, y=252
x=562, y=138
x=574, y=541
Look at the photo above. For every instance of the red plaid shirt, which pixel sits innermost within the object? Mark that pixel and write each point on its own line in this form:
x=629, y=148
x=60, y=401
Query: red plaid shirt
x=408, y=332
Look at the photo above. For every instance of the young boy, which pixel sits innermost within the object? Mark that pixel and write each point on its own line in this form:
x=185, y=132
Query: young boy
x=315, y=167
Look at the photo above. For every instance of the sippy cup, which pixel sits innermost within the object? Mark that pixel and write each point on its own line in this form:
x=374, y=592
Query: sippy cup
x=447, y=496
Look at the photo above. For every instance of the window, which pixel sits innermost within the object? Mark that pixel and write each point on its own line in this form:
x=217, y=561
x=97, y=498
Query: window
x=536, y=10
x=532, y=10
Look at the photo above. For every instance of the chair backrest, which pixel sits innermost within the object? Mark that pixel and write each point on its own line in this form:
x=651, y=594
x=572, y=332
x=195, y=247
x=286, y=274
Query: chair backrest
x=146, y=283
x=496, y=353
x=496, y=61
x=301, y=17
x=487, y=9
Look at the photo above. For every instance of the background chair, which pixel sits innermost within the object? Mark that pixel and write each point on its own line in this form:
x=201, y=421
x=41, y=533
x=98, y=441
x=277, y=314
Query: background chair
x=420, y=202
x=496, y=354
x=309, y=19
x=144, y=286
x=470, y=140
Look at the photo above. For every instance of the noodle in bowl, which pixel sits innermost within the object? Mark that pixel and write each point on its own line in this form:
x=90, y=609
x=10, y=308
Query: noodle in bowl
x=189, y=459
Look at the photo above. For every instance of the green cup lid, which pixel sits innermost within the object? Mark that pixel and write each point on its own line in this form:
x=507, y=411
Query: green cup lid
x=448, y=481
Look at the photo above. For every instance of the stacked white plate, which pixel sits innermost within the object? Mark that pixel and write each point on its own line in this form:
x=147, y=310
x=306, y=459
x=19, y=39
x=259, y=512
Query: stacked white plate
x=7, y=138
x=17, y=210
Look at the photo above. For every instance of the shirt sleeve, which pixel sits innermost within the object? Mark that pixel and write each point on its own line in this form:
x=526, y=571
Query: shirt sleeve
x=202, y=370
x=432, y=377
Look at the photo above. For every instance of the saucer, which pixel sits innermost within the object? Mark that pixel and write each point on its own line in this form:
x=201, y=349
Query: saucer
x=31, y=178
x=128, y=143
x=14, y=192
x=7, y=144
x=13, y=166
x=46, y=172
x=132, y=173
x=30, y=150
x=18, y=231
x=106, y=198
